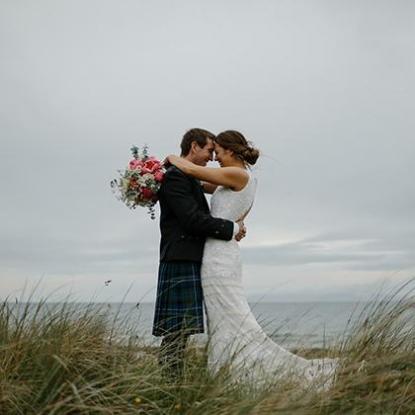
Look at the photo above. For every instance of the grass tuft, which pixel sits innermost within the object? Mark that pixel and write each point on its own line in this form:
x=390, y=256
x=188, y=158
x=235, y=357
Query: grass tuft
x=66, y=359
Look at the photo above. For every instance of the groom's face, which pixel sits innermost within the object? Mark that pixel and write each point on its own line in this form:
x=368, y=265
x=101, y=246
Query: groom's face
x=202, y=155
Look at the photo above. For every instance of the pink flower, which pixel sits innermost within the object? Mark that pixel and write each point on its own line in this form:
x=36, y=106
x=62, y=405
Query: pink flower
x=135, y=164
x=159, y=176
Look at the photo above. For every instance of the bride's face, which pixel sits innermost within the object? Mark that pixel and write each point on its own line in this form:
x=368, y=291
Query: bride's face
x=223, y=156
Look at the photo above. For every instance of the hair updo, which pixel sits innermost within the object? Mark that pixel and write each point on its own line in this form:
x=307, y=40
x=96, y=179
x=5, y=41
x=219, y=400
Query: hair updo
x=236, y=142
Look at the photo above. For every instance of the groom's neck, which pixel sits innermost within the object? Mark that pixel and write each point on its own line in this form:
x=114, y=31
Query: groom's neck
x=189, y=158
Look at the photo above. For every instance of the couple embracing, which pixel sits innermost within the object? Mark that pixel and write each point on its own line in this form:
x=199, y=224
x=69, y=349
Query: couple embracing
x=200, y=264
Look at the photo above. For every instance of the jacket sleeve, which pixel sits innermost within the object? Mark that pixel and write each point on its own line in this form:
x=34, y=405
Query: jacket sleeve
x=178, y=195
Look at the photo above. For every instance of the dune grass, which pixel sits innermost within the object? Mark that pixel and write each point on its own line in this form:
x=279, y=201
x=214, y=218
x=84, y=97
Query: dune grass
x=65, y=360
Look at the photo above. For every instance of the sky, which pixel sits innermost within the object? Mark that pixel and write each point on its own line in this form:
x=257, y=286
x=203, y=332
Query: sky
x=324, y=88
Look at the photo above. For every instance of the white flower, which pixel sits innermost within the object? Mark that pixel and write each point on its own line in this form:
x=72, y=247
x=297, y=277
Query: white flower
x=124, y=184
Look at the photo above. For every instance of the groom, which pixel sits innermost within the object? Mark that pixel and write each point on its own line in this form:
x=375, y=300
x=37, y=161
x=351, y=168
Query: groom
x=185, y=223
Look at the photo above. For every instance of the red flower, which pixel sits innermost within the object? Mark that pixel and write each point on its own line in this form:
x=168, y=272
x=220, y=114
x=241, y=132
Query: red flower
x=147, y=193
x=150, y=166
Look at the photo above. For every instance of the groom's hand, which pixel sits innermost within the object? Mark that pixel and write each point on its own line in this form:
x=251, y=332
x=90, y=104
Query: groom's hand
x=242, y=231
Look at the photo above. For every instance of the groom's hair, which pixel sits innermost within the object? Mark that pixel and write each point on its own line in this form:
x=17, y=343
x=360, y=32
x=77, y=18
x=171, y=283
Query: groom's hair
x=198, y=135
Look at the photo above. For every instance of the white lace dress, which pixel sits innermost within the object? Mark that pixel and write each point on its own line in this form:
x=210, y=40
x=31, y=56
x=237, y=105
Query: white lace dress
x=236, y=340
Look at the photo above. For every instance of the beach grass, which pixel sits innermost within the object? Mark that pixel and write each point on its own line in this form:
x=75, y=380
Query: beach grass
x=68, y=359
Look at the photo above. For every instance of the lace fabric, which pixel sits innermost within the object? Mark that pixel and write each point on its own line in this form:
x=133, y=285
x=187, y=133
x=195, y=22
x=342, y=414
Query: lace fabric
x=236, y=340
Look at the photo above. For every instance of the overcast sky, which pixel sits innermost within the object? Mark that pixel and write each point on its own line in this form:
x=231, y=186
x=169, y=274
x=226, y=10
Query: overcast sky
x=324, y=88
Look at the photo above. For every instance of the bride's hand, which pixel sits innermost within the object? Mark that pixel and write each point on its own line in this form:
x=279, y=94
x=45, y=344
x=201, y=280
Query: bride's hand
x=242, y=231
x=179, y=162
x=166, y=161
x=172, y=159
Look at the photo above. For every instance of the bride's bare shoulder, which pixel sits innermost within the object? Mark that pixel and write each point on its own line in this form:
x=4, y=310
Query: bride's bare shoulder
x=235, y=171
x=237, y=176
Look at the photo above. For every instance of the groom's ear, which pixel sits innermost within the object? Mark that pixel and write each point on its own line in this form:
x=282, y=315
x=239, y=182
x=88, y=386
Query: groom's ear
x=193, y=146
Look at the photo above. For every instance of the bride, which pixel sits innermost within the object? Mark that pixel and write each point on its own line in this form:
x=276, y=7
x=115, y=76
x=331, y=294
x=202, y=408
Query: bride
x=236, y=340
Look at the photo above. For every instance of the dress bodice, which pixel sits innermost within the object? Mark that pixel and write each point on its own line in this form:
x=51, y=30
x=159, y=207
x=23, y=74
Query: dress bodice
x=230, y=204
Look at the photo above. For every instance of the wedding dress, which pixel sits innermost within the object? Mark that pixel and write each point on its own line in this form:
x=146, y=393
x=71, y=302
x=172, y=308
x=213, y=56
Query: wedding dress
x=236, y=340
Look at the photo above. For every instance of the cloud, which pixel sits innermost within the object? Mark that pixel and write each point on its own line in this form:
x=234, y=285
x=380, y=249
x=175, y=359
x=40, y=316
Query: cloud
x=76, y=256
x=394, y=252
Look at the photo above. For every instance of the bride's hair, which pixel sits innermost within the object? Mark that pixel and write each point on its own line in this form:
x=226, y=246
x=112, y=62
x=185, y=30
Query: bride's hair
x=235, y=141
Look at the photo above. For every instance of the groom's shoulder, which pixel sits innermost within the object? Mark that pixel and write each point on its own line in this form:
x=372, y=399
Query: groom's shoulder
x=173, y=171
x=174, y=177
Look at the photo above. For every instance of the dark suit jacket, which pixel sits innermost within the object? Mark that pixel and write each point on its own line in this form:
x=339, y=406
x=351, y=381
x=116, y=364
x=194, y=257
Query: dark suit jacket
x=185, y=220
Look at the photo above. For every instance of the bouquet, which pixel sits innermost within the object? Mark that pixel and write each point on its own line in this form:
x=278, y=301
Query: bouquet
x=139, y=183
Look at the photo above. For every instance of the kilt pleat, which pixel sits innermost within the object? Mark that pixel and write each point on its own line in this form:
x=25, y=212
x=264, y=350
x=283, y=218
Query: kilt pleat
x=179, y=301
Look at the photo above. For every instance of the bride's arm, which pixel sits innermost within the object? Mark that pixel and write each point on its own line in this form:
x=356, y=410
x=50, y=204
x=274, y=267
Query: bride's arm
x=209, y=187
x=233, y=177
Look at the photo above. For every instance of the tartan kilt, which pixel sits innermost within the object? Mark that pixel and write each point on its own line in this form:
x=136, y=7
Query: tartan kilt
x=179, y=302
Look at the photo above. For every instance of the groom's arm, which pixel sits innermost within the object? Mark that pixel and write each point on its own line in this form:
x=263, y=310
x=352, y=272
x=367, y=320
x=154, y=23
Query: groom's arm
x=178, y=194
x=209, y=187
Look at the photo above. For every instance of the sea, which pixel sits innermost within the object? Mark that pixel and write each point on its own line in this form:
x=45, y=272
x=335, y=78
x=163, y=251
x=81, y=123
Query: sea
x=292, y=325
